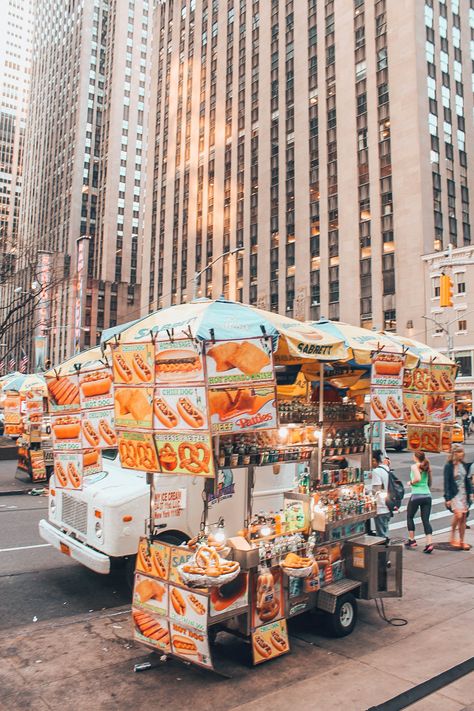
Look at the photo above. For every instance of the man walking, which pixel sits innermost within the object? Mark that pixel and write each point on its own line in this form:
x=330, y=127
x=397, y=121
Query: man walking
x=380, y=489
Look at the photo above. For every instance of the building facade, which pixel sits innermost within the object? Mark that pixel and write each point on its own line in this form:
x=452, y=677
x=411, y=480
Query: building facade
x=84, y=168
x=452, y=327
x=16, y=31
x=328, y=139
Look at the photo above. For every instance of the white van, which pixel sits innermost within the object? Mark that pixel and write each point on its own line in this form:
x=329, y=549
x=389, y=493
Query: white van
x=100, y=525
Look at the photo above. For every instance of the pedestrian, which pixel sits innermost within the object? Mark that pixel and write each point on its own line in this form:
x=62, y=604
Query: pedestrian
x=457, y=494
x=465, y=419
x=420, y=482
x=380, y=489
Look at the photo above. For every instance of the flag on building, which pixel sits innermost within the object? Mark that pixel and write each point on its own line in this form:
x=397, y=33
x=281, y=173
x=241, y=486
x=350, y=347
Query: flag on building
x=11, y=364
x=2, y=366
x=23, y=362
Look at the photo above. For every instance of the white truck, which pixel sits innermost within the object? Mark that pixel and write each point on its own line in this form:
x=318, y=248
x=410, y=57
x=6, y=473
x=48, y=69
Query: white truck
x=100, y=525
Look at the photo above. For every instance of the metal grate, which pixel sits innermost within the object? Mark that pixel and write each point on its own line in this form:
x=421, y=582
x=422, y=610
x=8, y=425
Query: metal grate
x=74, y=513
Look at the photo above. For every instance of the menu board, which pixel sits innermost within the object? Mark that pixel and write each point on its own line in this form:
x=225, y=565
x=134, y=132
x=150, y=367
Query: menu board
x=231, y=596
x=133, y=364
x=440, y=408
x=386, y=399
x=63, y=392
x=188, y=607
x=96, y=389
x=267, y=596
x=150, y=594
x=178, y=361
x=386, y=404
x=38, y=465
x=137, y=451
x=178, y=556
x=134, y=407
x=387, y=370
x=13, y=422
x=151, y=629
x=180, y=408
x=443, y=377
x=98, y=429
x=428, y=406
x=191, y=645
x=239, y=362
x=270, y=641
x=185, y=453
x=241, y=409
x=430, y=438
x=68, y=469
x=153, y=558
x=66, y=431
x=414, y=407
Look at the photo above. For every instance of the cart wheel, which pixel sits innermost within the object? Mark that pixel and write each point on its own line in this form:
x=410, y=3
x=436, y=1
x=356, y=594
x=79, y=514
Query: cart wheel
x=344, y=619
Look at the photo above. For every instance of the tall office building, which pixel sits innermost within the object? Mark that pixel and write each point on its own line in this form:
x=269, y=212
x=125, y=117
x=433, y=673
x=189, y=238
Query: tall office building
x=16, y=30
x=330, y=139
x=84, y=168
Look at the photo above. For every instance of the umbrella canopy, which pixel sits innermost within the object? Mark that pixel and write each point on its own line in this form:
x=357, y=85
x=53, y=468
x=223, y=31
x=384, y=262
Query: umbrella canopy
x=6, y=378
x=22, y=383
x=424, y=353
x=92, y=358
x=361, y=343
x=219, y=319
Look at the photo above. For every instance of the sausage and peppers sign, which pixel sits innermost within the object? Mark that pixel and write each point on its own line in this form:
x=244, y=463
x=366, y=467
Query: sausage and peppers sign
x=386, y=400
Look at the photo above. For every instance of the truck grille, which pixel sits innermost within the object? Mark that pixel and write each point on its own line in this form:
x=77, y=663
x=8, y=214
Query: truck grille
x=74, y=513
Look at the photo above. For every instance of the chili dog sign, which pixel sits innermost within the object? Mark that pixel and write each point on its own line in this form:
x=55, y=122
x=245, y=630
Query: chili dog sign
x=386, y=381
x=180, y=408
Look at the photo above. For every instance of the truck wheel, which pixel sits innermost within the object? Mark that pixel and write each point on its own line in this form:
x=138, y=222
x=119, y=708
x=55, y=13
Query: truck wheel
x=174, y=539
x=344, y=619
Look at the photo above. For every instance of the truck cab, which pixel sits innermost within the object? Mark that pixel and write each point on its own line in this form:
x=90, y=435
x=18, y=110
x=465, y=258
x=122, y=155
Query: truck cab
x=100, y=525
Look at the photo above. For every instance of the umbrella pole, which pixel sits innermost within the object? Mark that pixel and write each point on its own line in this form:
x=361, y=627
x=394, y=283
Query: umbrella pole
x=321, y=419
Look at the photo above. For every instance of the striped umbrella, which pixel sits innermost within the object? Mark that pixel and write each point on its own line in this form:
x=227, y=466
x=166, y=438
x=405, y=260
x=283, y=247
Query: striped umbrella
x=220, y=319
x=424, y=353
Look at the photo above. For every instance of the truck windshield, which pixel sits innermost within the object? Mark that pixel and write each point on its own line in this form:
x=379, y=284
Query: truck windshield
x=110, y=454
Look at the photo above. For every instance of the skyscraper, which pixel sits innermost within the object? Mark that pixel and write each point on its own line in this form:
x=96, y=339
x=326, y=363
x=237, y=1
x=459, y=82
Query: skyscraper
x=85, y=154
x=330, y=139
x=16, y=30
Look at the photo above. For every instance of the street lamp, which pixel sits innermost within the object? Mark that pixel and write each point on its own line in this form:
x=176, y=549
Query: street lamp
x=197, y=275
x=445, y=328
x=35, y=287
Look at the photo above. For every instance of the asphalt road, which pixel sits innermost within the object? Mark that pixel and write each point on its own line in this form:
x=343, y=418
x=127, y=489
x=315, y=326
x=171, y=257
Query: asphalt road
x=36, y=581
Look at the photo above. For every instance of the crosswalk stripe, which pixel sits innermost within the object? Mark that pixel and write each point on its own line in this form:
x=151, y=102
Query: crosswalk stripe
x=434, y=502
x=439, y=514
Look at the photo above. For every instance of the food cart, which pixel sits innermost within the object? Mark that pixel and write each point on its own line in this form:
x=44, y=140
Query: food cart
x=204, y=390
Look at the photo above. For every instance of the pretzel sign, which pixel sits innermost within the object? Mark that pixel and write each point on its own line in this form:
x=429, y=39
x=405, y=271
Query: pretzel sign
x=194, y=457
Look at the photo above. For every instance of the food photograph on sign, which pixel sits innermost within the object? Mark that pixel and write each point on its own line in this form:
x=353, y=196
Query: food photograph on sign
x=68, y=469
x=270, y=641
x=150, y=594
x=66, y=430
x=185, y=453
x=188, y=607
x=91, y=461
x=190, y=644
x=414, y=407
x=267, y=598
x=387, y=370
x=440, y=408
x=386, y=404
x=153, y=559
x=63, y=394
x=134, y=407
x=241, y=409
x=178, y=361
x=235, y=362
x=442, y=377
x=417, y=379
x=137, y=451
x=424, y=437
x=151, y=629
x=98, y=429
x=180, y=408
x=96, y=389
x=133, y=364
x=230, y=596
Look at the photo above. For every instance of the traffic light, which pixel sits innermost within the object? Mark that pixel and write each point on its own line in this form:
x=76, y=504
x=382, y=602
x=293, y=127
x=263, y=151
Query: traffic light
x=445, y=290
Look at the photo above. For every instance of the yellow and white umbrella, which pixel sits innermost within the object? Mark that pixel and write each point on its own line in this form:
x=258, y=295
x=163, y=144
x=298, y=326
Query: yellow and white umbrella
x=219, y=319
x=424, y=353
x=93, y=358
x=23, y=383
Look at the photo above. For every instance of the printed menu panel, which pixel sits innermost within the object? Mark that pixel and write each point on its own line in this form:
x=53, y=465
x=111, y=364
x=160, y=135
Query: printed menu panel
x=153, y=558
x=179, y=555
x=137, y=451
x=91, y=461
x=63, y=393
x=191, y=645
x=38, y=465
x=133, y=364
x=178, y=361
x=414, y=407
x=424, y=437
x=98, y=429
x=267, y=596
x=270, y=641
x=134, y=407
x=241, y=409
x=440, y=408
x=180, y=408
x=386, y=404
x=96, y=389
x=188, y=607
x=239, y=362
x=68, y=469
x=66, y=430
x=151, y=629
x=417, y=379
x=387, y=370
x=230, y=596
x=185, y=453
x=150, y=594
x=443, y=376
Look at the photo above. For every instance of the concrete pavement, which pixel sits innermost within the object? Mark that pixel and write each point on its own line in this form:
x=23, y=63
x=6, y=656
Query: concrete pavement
x=87, y=661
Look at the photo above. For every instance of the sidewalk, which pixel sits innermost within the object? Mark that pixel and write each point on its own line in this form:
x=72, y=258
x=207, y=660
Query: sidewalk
x=87, y=662
x=10, y=482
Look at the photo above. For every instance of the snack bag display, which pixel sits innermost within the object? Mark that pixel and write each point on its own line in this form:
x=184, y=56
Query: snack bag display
x=133, y=364
x=238, y=362
x=178, y=361
x=180, y=408
x=270, y=641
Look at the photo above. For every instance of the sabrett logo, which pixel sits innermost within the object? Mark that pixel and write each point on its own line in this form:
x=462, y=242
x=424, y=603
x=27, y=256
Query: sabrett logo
x=314, y=349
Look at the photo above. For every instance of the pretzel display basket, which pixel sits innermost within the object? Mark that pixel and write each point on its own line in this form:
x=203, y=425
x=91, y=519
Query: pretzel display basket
x=207, y=581
x=297, y=572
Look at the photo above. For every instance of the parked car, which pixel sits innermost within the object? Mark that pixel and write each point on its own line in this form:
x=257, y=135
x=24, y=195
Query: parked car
x=458, y=434
x=395, y=436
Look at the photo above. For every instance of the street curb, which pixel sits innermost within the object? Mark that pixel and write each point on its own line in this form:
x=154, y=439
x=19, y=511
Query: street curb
x=15, y=492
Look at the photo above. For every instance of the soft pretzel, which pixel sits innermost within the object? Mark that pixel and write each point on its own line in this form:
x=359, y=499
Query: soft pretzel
x=207, y=558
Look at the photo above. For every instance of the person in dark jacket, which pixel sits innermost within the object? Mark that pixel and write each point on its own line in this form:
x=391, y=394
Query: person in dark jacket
x=457, y=494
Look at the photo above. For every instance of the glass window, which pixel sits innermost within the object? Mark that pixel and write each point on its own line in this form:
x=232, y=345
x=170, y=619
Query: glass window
x=464, y=361
x=460, y=278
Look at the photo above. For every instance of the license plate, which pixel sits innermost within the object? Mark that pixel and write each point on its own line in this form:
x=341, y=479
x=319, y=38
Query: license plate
x=65, y=549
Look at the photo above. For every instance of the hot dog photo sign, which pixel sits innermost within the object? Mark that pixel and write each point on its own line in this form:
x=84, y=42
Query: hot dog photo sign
x=96, y=388
x=178, y=361
x=133, y=364
x=180, y=408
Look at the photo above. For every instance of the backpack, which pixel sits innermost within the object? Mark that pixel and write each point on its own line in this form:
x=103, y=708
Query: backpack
x=395, y=491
